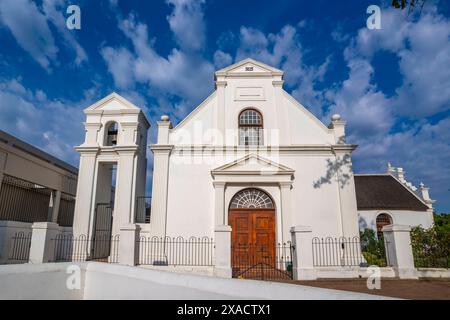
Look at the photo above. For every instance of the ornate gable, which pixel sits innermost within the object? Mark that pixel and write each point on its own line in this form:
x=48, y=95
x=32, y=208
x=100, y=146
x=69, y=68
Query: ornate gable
x=112, y=102
x=248, y=67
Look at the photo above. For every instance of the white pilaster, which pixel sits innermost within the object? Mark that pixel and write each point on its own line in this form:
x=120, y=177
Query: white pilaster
x=161, y=158
x=397, y=241
x=347, y=193
x=85, y=192
x=286, y=210
x=219, y=203
x=92, y=134
x=222, y=254
x=55, y=200
x=338, y=127
x=160, y=189
x=125, y=187
x=303, y=266
x=42, y=242
x=282, y=116
x=220, y=117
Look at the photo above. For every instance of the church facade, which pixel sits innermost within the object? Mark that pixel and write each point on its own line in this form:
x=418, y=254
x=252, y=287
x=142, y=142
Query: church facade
x=250, y=156
x=250, y=160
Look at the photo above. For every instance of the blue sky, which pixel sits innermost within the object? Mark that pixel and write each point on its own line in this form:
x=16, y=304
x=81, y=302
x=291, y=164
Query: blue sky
x=391, y=85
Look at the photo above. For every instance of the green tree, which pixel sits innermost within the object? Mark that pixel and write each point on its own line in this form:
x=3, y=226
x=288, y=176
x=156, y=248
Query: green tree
x=431, y=247
x=410, y=4
x=373, y=248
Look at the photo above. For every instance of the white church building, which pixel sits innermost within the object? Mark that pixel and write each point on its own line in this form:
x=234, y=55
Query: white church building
x=249, y=164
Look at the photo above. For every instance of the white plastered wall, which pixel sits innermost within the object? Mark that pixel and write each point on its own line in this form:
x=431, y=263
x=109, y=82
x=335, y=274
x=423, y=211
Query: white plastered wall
x=367, y=218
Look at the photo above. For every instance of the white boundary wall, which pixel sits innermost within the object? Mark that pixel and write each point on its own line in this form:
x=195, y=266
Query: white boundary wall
x=107, y=281
x=8, y=229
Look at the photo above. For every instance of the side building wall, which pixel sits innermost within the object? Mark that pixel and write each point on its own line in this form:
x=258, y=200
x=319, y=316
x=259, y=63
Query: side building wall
x=34, y=187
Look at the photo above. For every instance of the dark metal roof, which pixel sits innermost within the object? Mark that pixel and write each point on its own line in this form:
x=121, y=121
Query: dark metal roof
x=384, y=192
x=38, y=153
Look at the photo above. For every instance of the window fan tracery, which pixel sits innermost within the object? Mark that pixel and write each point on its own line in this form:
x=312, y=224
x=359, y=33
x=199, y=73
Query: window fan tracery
x=251, y=199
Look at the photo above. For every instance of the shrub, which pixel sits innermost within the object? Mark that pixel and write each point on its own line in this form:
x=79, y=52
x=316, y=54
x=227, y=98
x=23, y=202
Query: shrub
x=431, y=247
x=373, y=248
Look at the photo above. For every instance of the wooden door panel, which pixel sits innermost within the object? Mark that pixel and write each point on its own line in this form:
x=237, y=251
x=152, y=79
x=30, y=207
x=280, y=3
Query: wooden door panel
x=241, y=223
x=264, y=235
x=253, y=237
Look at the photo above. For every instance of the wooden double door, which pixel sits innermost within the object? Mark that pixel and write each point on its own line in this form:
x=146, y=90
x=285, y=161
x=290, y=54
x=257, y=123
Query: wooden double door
x=252, y=238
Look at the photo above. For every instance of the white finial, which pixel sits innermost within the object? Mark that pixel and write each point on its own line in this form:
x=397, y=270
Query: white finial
x=336, y=117
x=165, y=118
x=390, y=167
x=401, y=175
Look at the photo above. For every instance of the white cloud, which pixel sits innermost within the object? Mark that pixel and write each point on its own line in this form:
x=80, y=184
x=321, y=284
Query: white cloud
x=31, y=29
x=423, y=48
x=165, y=77
x=54, y=11
x=284, y=50
x=186, y=22
x=29, y=26
x=366, y=109
x=53, y=125
x=120, y=65
x=376, y=123
x=222, y=59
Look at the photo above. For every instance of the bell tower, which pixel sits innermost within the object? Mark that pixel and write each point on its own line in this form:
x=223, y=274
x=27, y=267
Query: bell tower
x=112, y=171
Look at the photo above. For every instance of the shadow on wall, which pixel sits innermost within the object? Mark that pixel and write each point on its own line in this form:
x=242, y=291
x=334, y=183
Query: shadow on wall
x=334, y=171
x=362, y=223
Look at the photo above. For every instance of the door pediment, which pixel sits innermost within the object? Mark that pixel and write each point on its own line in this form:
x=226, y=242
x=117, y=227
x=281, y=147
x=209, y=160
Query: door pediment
x=253, y=164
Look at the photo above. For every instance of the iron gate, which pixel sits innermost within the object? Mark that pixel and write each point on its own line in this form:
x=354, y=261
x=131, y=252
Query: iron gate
x=101, y=239
x=262, y=262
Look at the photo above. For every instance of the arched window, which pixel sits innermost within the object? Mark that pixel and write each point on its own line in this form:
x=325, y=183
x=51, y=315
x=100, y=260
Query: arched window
x=382, y=220
x=251, y=199
x=250, y=128
x=112, y=130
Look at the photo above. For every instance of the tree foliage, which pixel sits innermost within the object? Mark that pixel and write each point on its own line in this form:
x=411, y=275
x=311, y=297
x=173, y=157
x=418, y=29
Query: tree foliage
x=431, y=247
x=373, y=248
x=410, y=4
